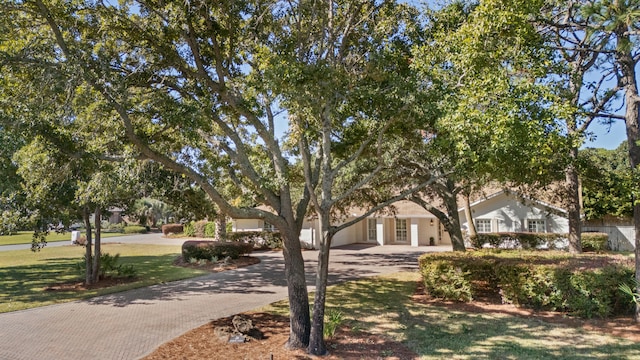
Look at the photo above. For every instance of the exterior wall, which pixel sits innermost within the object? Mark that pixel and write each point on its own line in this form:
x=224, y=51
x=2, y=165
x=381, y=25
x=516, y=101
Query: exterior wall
x=622, y=233
x=344, y=237
x=309, y=235
x=445, y=238
x=509, y=214
x=428, y=228
x=247, y=224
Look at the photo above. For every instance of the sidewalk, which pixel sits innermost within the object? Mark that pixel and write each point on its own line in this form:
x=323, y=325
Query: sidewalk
x=132, y=324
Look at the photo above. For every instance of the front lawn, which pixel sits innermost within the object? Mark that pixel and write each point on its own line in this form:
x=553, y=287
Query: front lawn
x=26, y=275
x=24, y=237
x=388, y=318
x=384, y=305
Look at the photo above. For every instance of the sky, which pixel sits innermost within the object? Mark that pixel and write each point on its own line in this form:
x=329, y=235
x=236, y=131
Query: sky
x=607, y=137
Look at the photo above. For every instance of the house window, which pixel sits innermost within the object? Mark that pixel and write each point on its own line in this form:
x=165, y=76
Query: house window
x=537, y=226
x=483, y=226
x=372, y=230
x=268, y=227
x=401, y=230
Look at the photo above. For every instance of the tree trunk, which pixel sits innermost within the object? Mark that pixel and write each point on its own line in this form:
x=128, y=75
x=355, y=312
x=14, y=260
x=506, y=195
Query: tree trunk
x=316, y=341
x=88, y=245
x=221, y=228
x=98, y=251
x=468, y=215
x=573, y=203
x=453, y=223
x=632, y=114
x=299, y=320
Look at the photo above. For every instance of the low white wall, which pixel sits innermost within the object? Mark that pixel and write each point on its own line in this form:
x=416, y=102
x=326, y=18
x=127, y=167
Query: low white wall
x=621, y=237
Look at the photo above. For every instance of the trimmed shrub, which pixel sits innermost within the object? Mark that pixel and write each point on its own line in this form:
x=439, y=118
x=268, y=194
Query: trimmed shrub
x=198, y=228
x=189, y=230
x=445, y=280
x=549, y=280
x=516, y=240
x=172, y=229
x=109, y=267
x=595, y=241
x=135, y=229
x=196, y=249
x=210, y=229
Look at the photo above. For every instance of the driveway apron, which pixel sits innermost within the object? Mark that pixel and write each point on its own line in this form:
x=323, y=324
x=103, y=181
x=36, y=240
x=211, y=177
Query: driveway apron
x=131, y=324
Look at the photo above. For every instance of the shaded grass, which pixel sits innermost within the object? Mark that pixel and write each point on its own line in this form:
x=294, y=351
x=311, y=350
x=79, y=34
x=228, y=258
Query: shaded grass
x=25, y=275
x=24, y=237
x=383, y=305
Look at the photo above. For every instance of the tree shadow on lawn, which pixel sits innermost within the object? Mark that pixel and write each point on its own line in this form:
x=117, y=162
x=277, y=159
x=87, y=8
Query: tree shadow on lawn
x=27, y=283
x=442, y=332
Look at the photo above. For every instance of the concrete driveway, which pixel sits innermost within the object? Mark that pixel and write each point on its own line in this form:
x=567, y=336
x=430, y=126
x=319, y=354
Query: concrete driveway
x=131, y=324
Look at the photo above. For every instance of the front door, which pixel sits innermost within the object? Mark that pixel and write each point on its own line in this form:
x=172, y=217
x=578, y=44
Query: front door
x=372, y=231
x=401, y=231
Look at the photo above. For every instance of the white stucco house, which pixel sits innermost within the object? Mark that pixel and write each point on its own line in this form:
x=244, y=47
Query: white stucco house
x=502, y=211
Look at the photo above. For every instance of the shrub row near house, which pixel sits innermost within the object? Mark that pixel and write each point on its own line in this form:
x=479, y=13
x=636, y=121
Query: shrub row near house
x=515, y=240
x=528, y=240
x=208, y=250
x=172, y=229
x=259, y=239
x=201, y=229
x=586, y=285
x=595, y=241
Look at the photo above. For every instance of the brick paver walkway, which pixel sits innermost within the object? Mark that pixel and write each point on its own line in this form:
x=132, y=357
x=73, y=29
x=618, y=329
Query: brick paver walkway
x=131, y=324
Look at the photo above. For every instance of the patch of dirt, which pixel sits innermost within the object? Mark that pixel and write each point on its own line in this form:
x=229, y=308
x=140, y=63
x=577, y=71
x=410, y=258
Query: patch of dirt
x=81, y=286
x=203, y=343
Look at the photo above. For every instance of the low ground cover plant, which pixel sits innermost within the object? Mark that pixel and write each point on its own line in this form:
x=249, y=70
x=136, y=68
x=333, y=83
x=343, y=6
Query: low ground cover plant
x=586, y=286
x=110, y=267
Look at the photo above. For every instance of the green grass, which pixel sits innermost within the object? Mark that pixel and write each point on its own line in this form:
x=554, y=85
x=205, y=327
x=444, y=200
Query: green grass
x=25, y=275
x=24, y=237
x=382, y=305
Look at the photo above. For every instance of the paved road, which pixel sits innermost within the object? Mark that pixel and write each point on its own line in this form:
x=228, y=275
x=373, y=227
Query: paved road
x=153, y=238
x=131, y=324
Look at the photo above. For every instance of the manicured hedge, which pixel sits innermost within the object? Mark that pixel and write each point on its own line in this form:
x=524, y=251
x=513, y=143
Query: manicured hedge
x=199, y=228
x=527, y=240
x=210, y=229
x=201, y=249
x=585, y=285
x=516, y=240
x=172, y=229
x=595, y=241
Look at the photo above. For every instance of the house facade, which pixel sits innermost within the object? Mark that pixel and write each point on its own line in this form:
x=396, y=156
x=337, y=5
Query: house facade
x=411, y=225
